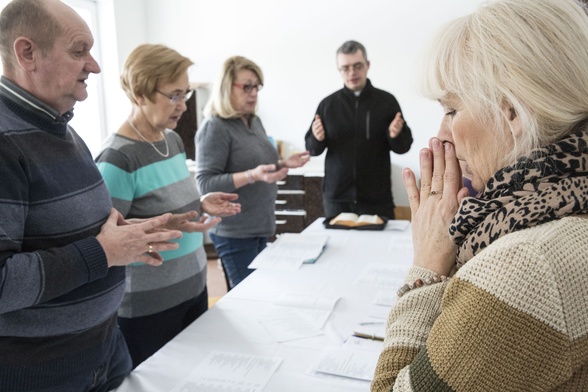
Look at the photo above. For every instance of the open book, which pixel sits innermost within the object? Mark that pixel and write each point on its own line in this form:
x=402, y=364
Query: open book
x=353, y=220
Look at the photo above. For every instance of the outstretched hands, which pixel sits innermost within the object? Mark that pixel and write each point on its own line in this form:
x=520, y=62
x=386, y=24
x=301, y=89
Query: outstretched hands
x=271, y=173
x=213, y=203
x=317, y=128
x=296, y=160
x=396, y=125
x=188, y=222
x=434, y=205
x=126, y=243
x=220, y=204
x=268, y=173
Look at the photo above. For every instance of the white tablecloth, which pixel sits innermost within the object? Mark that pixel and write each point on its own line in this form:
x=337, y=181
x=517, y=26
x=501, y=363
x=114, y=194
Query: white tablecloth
x=232, y=325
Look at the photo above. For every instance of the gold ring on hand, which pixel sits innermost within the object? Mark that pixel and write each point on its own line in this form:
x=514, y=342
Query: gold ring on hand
x=433, y=193
x=150, y=249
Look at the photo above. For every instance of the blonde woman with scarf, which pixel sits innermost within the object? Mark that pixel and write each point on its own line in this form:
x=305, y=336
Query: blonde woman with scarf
x=496, y=298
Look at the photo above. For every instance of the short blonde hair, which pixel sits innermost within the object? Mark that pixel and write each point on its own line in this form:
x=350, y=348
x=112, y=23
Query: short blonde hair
x=219, y=103
x=528, y=54
x=150, y=65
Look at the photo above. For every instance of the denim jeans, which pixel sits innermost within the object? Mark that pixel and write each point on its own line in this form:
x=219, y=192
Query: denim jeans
x=236, y=254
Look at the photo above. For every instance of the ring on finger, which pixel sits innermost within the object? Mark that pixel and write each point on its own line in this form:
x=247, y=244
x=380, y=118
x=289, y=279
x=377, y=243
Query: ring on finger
x=433, y=193
x=150, y=248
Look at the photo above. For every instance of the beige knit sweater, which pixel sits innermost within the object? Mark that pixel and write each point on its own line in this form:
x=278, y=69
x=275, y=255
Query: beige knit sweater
x=514, y=318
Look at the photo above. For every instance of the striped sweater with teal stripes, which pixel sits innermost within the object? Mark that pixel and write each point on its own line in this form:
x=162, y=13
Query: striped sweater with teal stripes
x=143, y=184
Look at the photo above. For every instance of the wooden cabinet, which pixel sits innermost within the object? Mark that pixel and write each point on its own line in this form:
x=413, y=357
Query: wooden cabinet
x=313, y=198
x=192, y=117
x=299, y=203
x=187, y=126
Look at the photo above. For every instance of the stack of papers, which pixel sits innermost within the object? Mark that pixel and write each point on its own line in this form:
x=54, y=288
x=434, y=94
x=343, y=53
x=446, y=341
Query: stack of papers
x=290, y=251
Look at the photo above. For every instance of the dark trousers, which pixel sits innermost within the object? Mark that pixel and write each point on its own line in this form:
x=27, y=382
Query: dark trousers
x=112, y=374
x=106, y=375
x=236, y=254
x=145, y=335
x=333, y=208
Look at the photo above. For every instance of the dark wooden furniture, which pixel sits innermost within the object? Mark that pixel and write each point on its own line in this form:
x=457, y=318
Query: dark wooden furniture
x=299, y=203
x=187, y=127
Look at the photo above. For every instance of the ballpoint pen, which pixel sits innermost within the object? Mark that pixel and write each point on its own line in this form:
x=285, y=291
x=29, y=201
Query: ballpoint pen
x=372, y=322
x=367, y=336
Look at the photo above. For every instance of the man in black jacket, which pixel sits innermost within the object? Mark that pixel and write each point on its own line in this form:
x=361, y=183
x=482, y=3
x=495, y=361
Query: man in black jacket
x=358, y=125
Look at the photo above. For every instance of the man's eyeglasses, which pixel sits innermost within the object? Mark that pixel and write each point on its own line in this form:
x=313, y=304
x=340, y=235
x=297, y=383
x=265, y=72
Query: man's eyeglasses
x=249, y=87
x=355, y=67
x=178, y=97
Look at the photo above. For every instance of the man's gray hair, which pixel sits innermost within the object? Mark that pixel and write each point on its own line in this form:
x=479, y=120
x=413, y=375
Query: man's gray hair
x=351, y=47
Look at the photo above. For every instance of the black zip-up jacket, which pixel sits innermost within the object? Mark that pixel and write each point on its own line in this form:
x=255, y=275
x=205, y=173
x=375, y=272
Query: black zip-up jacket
x=357, y=164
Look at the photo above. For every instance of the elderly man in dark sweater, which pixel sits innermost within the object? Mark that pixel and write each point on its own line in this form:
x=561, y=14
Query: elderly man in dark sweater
x=62, y=247
x=358, y=126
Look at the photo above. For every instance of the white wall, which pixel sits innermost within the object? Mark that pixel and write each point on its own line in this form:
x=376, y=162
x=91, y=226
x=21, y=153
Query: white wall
x=294, y=42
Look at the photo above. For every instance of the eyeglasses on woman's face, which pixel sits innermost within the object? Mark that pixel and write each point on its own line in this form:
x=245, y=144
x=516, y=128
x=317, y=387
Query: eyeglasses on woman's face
x=248, y=88
x=176, y=98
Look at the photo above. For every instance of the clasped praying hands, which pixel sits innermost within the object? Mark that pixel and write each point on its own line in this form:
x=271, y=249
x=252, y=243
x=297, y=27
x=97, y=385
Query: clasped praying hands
x=125, y=242
x=434, y=205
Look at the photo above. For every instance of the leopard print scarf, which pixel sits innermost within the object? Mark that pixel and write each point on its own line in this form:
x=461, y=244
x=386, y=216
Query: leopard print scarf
x=552, y=182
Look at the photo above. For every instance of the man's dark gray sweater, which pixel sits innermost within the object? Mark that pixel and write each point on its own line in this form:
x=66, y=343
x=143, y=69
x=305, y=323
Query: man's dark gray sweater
x=58, y=298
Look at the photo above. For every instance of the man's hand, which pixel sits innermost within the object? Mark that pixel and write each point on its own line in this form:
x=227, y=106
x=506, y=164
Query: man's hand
x=126, y=243
x=317, y=128
x=396, y=125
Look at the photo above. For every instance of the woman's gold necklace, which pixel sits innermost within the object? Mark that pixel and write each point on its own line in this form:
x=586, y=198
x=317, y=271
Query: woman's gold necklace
x=152, y=145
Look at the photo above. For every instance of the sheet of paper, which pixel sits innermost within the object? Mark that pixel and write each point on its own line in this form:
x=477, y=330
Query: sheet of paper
x=281, y=262
x=348, y=362
x=316, y=308
x=230, y=372
x=354, y=342
x=385, y=298
x=287, y=324
x=362, y=385
x=290, y=251
x=397, y=225
x=382, y=275
x=307, y=300
x=298, y=315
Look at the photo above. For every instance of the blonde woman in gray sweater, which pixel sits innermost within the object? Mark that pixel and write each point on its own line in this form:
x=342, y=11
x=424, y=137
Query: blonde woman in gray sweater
x=234, y=154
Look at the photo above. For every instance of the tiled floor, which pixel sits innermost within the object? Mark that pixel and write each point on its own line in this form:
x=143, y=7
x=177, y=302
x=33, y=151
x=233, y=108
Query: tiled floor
x=215, y=280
